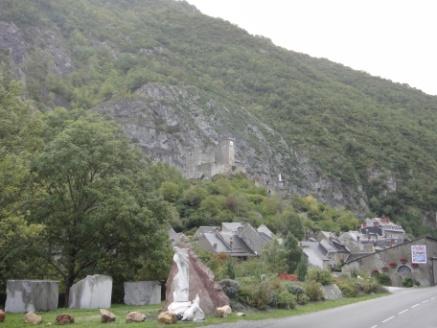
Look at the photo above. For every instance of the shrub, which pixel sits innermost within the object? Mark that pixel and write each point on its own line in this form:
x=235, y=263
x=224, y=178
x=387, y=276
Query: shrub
x=368, y=285
x=313, y=290
x=295, y=289
x=252, y=268
x=230, y=287
x=257, y=295
x=322, y=276
x=348, y=287
x=302, y=299
x=408, y=282
x=286, y=300
x=384, y=279
x=302, y=268
x=230, y=269
x=352, y=287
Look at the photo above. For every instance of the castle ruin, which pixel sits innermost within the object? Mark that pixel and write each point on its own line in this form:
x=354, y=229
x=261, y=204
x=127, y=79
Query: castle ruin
x=212, y=160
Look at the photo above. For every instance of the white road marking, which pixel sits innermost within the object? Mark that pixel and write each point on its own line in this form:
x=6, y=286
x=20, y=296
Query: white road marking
x=403, y=311
x=374, y=326
x=388, y=319
x=425, y=301
x=415, y=306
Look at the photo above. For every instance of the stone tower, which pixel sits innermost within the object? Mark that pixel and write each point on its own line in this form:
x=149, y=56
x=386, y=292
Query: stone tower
x=225, y=153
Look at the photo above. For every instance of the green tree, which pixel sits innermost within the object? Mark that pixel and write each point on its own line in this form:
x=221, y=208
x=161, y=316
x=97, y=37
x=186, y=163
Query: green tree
x=19, y=137
x=294, y=253
x=302, y=268
x=96, y=214
x=275, y=256
x=170, y=191
x=293, y=224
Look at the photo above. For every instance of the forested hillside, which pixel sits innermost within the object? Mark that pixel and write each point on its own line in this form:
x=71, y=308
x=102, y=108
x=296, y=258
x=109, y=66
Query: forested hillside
x=175, y=80
x=77, y=198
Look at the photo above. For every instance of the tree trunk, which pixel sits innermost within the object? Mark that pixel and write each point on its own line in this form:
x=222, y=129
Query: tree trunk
x=71, y=276
x=69, y=281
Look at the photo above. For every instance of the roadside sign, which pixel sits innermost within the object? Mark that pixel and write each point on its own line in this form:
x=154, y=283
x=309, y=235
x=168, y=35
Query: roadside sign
x=418, y=254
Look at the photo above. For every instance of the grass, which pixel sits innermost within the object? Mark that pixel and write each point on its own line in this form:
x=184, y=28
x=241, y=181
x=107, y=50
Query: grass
x=91, y=318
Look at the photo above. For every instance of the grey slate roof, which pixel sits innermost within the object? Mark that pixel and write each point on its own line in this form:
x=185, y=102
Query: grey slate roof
x=314, y=253
x=231, y=226
x=235, y=239
x=263, y=229
x=203, y=229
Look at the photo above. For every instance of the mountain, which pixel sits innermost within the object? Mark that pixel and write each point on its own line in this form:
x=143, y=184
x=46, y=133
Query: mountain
x=179, y=83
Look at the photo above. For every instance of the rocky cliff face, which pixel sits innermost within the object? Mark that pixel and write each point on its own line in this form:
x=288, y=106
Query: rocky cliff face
x=171, y=123
x=17, y=45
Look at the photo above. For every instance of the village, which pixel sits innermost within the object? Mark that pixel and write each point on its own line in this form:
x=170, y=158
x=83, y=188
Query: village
x=235, y=268
x=379, y=250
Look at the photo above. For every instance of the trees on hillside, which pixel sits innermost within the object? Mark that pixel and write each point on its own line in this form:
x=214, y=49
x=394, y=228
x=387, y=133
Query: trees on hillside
x=95, y=213
x=19, y=137
x=75, y=198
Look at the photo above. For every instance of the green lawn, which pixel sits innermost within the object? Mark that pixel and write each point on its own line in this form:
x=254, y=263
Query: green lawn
x=91, y=318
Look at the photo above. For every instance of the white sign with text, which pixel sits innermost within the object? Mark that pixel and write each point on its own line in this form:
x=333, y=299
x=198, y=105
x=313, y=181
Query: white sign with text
x=418, y=254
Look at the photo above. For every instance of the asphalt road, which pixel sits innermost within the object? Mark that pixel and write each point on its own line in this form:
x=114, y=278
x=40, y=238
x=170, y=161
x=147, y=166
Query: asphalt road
x=408, y=308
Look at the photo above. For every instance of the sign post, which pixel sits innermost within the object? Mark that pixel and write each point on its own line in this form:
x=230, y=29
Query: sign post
x=418, y=254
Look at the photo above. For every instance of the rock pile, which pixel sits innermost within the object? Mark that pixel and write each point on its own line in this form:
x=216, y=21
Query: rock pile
x=32, y=318
x=64, y=319
x=107, y=316
x=135, y=317
x=224, y=311
x=167, y=318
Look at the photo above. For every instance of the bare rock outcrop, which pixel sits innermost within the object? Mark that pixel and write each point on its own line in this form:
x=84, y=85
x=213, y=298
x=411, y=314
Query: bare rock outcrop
x=201, y=283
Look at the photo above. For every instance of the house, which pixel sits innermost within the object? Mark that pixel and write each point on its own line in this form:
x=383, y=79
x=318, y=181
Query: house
x=415, y=259
x=262, y=229
x=314, y=254
x=383, y=231
x=357, y=243
x=204, y=229
x=234, y=238
x=325, y=251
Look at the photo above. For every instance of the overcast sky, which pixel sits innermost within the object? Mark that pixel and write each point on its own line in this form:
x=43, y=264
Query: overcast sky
x=394, y=39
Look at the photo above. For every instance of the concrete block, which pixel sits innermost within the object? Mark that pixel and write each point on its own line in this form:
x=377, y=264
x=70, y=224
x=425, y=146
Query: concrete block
x=92, y=292
x=142, y=292
x=31, y=295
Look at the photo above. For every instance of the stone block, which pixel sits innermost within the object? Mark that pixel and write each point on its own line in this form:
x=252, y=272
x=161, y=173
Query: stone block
x=92, y=292
x=31, y=295
x=142, y=293
x=331, y=292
